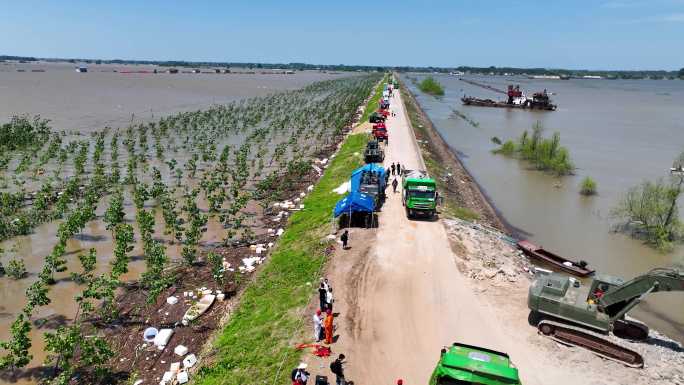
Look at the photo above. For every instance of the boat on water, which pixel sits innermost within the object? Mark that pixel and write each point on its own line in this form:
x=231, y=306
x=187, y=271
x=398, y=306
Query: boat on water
x=535, y=103
x=516, y=99
x=575, y=268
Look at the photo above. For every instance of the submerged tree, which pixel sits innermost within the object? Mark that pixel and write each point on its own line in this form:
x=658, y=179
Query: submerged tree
x=650, y=211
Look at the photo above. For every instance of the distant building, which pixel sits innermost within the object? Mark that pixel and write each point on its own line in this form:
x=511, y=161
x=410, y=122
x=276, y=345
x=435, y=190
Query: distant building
x=547, y=77
x=82, y=69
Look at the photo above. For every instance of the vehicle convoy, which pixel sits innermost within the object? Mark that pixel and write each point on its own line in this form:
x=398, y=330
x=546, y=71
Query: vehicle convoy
x=373, y=152
x=462, y=364
x=578, y=314
x=418, y=193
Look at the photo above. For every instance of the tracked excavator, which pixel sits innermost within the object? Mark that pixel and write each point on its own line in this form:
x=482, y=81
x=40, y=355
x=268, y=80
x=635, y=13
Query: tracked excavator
x=582, y=313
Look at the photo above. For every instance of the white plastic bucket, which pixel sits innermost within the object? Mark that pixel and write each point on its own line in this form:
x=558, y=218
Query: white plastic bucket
x=149, y=334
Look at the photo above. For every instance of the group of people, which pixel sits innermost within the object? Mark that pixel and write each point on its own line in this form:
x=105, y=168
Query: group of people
x=391, y=170
x=300, y=376
x=323, y=325
x=395, y=167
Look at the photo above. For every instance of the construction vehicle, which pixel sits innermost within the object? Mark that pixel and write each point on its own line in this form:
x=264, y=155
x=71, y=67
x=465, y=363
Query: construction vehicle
x=373, y=152
x=418, y=193
x=380, y=132
x=371, y=181
x=539, y=101
x=581, y=313
x=467, y=364
x=376, y=117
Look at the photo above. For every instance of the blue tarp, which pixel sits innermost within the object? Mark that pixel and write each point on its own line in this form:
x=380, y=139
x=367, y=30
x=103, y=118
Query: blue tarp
x=356, y=175
x=354, y=202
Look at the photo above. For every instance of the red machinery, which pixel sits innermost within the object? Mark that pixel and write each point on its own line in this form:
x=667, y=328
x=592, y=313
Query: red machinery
x=513, y=92
x=380, y=132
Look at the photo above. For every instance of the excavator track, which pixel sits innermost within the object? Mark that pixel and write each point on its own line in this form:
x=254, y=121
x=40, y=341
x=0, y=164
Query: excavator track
x=575, y=336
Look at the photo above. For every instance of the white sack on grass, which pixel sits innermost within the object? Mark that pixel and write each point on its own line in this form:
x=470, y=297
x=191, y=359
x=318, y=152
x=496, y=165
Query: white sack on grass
x=343, y=188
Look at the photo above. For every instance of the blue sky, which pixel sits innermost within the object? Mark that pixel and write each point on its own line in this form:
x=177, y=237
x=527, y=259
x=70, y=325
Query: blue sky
x=599, y=34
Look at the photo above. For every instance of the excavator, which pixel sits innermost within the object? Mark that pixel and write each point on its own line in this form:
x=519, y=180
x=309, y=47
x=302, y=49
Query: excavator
x=580, y=313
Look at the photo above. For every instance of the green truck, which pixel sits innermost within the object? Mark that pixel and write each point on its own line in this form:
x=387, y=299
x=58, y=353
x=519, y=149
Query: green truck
x=419, y=193
x=463, y=364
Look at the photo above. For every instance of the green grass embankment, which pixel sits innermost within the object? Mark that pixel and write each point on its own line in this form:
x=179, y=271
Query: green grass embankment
x=372, y=104
x=258, y=340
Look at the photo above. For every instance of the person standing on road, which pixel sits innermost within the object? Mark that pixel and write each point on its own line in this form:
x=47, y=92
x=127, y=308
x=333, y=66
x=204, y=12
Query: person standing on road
x=329, y=299
x=394, y=185
x=328, y=324
x=398, y=168
x=338, y=369
x=322, y=292
x=344, y=238
x=318, y=324
x=393, y=167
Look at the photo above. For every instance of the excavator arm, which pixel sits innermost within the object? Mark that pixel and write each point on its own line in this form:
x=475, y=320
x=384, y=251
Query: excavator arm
x=617, y=301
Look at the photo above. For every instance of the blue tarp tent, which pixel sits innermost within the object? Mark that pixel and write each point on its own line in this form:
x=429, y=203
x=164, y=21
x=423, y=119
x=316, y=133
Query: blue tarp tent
x=354, y=202
x=356, y=175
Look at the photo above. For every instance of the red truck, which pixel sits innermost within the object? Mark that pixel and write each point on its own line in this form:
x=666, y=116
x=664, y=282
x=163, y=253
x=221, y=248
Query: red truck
x=380, y=132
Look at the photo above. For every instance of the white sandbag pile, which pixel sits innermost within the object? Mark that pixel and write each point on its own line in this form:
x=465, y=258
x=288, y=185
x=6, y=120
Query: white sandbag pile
x=249, y=262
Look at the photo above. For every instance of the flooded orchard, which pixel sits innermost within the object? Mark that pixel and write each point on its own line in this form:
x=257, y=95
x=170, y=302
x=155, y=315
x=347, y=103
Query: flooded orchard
x=146, y=197
x=618, y=132
x=113, y=95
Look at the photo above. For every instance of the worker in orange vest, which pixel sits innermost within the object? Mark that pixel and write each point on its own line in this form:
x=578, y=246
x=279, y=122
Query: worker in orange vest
x=328, y=325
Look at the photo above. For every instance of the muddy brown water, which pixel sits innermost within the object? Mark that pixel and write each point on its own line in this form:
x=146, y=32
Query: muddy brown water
x=85, y=103
x=618, y=132
x=90, y=101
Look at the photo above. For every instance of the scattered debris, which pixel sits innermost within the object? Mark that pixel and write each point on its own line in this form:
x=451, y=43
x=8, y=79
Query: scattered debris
x=162, y=338
x=150, y=334
x=198, y=308
x=189, y=361
x=180, y=350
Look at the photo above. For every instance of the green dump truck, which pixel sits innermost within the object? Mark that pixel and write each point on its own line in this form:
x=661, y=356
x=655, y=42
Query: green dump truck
x=463, y=364
x=418, y=193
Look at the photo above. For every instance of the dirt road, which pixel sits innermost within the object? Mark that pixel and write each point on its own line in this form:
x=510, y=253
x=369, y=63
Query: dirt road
x=403, y=298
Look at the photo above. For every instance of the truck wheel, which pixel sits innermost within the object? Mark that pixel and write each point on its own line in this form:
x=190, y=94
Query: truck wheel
x=546, y=329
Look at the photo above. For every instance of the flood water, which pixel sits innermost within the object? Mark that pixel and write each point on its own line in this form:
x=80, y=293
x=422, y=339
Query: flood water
x=87, y=102
x=101, y=97
x=618, y=132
